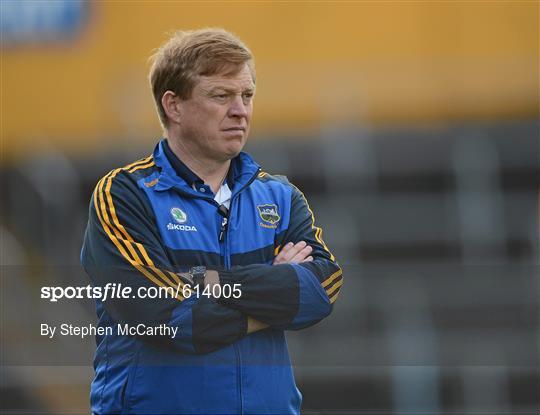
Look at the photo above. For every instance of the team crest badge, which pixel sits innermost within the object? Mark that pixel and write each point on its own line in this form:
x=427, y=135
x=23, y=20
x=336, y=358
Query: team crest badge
x=178, y=215
x=269, y=214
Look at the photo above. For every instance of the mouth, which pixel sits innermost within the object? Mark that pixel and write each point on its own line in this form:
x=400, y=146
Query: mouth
x=235, y=129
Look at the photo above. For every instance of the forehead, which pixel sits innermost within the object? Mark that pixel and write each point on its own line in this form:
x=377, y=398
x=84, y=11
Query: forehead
x=240, y=80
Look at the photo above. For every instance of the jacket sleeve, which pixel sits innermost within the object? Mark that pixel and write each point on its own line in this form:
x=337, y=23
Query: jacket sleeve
x=122, y=246
x=290, y=296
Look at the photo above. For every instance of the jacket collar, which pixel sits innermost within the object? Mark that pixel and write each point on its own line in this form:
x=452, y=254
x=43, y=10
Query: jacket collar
x=179, y=167
x=243, y=168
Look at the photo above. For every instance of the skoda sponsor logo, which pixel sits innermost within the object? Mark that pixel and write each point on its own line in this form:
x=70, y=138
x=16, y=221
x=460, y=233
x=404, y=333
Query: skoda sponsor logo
x=180, y=217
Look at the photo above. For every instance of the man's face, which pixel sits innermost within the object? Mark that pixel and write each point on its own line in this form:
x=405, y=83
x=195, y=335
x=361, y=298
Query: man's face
x=215, y=120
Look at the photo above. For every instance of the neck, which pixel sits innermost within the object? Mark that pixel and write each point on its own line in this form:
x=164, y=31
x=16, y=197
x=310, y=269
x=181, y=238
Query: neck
x=213, y=172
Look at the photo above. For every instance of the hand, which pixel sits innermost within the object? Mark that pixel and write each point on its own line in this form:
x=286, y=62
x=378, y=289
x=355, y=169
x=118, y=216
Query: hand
x=294, y=254
x=211, y=279
x=255, y=325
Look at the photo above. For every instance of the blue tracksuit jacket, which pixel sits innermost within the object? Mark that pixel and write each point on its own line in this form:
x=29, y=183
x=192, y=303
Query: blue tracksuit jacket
x=145, y=225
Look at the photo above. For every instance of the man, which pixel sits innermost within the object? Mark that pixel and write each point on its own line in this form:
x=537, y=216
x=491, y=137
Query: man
x=199, y=213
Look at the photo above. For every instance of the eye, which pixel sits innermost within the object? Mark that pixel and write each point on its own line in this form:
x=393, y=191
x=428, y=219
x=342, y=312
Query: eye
x=221, y=97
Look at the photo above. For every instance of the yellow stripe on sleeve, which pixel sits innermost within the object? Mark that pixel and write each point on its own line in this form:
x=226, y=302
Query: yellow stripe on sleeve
x=128, y=240
x=334, y=297
x=334, y=287
x=105, y=215
x=143, y=166
x=144, y=160
x=118, y=234
x=119, y=246
x=331, y=278
x=318, y=231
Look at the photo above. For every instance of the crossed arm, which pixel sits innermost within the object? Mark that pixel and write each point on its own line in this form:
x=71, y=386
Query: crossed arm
x=292, y=253
x=121, y=243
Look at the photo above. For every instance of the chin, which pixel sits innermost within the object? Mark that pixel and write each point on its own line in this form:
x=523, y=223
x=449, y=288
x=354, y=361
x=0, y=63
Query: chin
x=232, y=149
x=230, y=153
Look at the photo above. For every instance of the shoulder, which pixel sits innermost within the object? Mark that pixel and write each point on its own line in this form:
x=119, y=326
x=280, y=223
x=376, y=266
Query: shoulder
x=277, y=179
x=281, y=181
x=120, y=181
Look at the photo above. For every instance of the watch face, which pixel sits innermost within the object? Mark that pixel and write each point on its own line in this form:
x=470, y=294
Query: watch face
x=198, y=270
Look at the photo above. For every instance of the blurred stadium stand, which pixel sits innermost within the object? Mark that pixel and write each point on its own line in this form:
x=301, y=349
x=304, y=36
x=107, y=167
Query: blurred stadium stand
x=420, y=158
x=437, y=233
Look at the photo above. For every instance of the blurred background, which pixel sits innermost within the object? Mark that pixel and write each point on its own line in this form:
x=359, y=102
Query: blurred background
x=412, y=127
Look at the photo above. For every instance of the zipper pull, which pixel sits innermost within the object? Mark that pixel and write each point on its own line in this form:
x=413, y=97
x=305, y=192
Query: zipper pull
x=224, y=212
x=223, y=229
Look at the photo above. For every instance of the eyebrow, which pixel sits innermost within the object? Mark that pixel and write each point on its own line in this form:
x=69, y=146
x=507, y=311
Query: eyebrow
x=228, y=90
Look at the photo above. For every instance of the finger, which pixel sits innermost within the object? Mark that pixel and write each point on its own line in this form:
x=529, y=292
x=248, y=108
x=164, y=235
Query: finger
x=287, y=253
x=282, y=252
x=293, y=251
x=281, y=255
x=303, y=254
x=308, y=259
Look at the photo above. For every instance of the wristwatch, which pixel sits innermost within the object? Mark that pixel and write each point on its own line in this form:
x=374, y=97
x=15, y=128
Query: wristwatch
x=198, y=274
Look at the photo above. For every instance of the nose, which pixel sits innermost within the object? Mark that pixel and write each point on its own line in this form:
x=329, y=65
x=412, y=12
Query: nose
x=238, y=108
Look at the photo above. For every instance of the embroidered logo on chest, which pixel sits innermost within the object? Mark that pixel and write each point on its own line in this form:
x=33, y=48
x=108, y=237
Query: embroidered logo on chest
x=269, y=215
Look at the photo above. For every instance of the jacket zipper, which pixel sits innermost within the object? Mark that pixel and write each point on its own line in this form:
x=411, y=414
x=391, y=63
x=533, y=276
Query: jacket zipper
x=225, y=241
x=226, y=219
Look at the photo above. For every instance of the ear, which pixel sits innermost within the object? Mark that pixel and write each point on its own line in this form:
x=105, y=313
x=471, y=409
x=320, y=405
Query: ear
x=171, y=105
